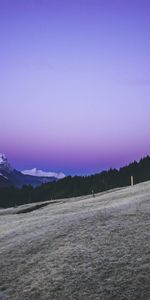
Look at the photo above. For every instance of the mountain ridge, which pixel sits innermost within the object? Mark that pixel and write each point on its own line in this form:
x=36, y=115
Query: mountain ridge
x=40, y=173
x=70, y=187
x=12, y=177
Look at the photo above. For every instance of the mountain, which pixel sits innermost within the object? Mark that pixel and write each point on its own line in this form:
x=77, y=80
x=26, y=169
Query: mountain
x=11, y=177
x=4, y=164
x=40, y=173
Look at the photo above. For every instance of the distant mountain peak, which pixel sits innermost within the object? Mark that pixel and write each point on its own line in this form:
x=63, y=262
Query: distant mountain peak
x=4, y=163
x=40, y=173
x=11, y=177
x=2, y=158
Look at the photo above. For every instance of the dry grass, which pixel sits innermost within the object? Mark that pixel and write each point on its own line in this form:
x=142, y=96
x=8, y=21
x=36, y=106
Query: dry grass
x=78, y=249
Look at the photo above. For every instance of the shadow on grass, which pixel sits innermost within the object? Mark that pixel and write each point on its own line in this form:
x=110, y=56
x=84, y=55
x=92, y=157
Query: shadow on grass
x=29, y=209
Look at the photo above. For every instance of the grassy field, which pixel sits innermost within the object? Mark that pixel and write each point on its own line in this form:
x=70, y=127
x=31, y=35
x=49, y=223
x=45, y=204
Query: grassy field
x=81, y=248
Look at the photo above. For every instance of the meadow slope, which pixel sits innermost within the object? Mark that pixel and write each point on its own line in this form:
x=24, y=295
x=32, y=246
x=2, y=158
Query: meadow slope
x=81, y=248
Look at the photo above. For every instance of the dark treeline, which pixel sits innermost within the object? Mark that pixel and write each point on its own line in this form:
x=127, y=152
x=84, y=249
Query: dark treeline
x=77, y=185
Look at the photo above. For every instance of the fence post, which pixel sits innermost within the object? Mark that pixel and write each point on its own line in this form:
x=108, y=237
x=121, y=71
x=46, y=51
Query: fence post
x=132, y=181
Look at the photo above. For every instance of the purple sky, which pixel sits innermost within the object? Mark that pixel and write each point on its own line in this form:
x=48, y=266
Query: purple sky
x=74, y=83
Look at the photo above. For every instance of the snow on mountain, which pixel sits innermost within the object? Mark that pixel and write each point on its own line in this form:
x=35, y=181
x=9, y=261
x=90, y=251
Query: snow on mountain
x=40, y=173
x=3, y=176
x=32, y=177
x=4, y=164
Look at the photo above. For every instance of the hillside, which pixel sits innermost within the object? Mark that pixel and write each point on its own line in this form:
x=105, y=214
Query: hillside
x=82, y=248
x=77, y=185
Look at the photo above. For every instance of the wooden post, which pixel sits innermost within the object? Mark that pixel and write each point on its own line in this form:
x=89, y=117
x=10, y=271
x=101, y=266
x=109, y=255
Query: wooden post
x=132, y=181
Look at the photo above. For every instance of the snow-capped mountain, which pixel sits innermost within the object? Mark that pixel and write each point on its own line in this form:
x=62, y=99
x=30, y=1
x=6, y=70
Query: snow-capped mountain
x=40, y=173
x=4, y=164
x=11, y=177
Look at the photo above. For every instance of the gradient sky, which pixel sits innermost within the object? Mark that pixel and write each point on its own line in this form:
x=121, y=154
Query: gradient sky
x=74, y=83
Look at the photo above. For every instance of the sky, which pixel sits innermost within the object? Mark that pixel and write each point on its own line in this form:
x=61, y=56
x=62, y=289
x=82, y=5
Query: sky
x=74, y=83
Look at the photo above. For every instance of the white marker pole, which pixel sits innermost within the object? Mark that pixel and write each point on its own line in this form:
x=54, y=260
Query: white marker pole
x=132, y=181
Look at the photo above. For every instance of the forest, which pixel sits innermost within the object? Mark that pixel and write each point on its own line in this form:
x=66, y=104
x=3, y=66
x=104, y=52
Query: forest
x=73, y=186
